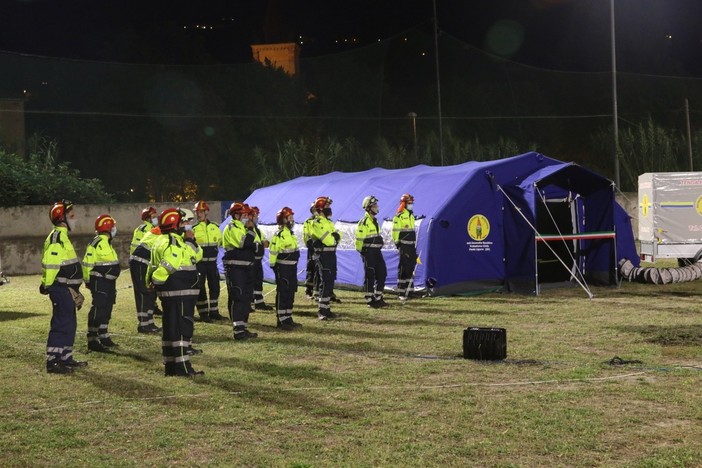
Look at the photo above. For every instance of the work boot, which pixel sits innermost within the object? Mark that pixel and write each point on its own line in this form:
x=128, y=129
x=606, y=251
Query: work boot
x=295, y=324
x=97, y=347
x=374, y=304
x=108, y=343
x=333, y=298
x=218, y=317
x=244, y=335
x=286, y=325
x=382, y=302
x=263, y=306
x=72, y=363
x=149, y=329
x=58, y=367
x=326, y=315
x=205, y=317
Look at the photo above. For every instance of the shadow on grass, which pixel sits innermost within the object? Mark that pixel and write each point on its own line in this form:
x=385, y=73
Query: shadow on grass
x=131, y=388
x=661, y=293
x=8, y=316
x=268, y=332
x=308, y=391
x=312, y=402
x=690, y=335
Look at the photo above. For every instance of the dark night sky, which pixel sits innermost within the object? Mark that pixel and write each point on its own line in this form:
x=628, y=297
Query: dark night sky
x=561, y=34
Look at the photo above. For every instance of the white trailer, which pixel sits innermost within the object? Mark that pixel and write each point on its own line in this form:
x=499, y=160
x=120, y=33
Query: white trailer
x=670, y=215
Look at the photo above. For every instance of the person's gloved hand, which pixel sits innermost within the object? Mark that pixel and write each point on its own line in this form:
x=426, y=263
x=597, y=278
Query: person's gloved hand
x=78, y=298
x=43, y=290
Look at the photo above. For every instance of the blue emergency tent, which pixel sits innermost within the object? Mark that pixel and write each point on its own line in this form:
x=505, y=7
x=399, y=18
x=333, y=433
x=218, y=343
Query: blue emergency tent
x=513, y=224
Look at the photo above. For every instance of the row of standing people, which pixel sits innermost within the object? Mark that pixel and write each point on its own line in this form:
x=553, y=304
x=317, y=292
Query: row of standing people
x=195, y=272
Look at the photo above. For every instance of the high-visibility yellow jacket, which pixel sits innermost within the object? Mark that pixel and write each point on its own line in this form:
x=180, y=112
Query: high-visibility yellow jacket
x=403, y=233
x=209, y=238
x=239, y=245
x=173, y=271
x=368, y=234
x=59, y=263
x=322, y=234
x=139, y=234
x=307, y=231
x=283, y=249
x=100, y=259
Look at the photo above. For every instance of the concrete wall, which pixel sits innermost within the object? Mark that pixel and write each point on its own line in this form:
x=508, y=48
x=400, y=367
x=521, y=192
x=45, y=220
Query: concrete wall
x=24, y=229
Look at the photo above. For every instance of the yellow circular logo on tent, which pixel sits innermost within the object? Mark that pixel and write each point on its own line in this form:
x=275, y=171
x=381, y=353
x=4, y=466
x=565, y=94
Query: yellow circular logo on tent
x=478, y=227
x=698, y=205
x=644, y=206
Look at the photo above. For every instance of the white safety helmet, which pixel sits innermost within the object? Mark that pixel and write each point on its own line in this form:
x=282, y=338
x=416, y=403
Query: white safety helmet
x=369, y=201
x=187, y=215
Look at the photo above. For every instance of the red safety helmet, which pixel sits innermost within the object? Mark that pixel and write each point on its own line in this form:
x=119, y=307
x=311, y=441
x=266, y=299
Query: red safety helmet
x=104, y=223
x=407, y=198
x=169, y=220
x=281, y=216
x=148, y=213
x=322, y=202
x=255, y=211
x=58, y=211
x=201, y=206
x=238, y=208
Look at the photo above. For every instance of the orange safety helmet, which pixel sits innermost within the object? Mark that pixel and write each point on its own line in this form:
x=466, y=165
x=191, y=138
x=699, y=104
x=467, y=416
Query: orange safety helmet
x=201, y=206
x=254, y=210
x=104, y=223
x=322, y=202
x=58, y=211
x=281, y=216
x=407, y=198
x=238, y=208
x=169, y=220
x=148, y=213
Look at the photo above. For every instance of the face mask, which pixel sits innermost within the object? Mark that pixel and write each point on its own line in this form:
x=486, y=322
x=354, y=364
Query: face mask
x=154, y=221
x=244, y=221
x=374, y=209
x=71, y=224
x=327, y=212
x=410, y=206
x=188, y=227
x=113, y=231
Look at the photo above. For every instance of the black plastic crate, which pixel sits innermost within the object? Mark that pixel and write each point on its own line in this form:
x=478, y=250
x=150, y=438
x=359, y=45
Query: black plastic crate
x=485, y=344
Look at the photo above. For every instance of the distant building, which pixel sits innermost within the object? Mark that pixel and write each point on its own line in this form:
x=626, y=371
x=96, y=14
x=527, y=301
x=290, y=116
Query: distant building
x=285, y=56
x=12, y=130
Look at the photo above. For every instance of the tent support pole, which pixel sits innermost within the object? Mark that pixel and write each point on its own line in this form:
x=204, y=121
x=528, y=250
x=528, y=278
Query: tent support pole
x=536, y=266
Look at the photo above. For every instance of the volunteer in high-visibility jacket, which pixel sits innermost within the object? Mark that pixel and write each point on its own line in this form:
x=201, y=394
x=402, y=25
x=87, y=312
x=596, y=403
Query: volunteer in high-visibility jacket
x=369, y=242
x=209, y=238
x=239, y=242
x=405, y=238
x=61, y=278
x=140, y=255
x=100, y=273
x=284, y=255
x=173, y=273
x=325, y=237
x=258, y=300
x=311, y=275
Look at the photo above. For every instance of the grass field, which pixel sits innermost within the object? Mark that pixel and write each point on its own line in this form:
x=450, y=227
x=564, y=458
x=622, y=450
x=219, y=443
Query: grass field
x=374, y=388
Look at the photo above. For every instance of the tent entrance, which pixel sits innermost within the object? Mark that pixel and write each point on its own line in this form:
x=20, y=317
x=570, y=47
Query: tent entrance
x=556, y=217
